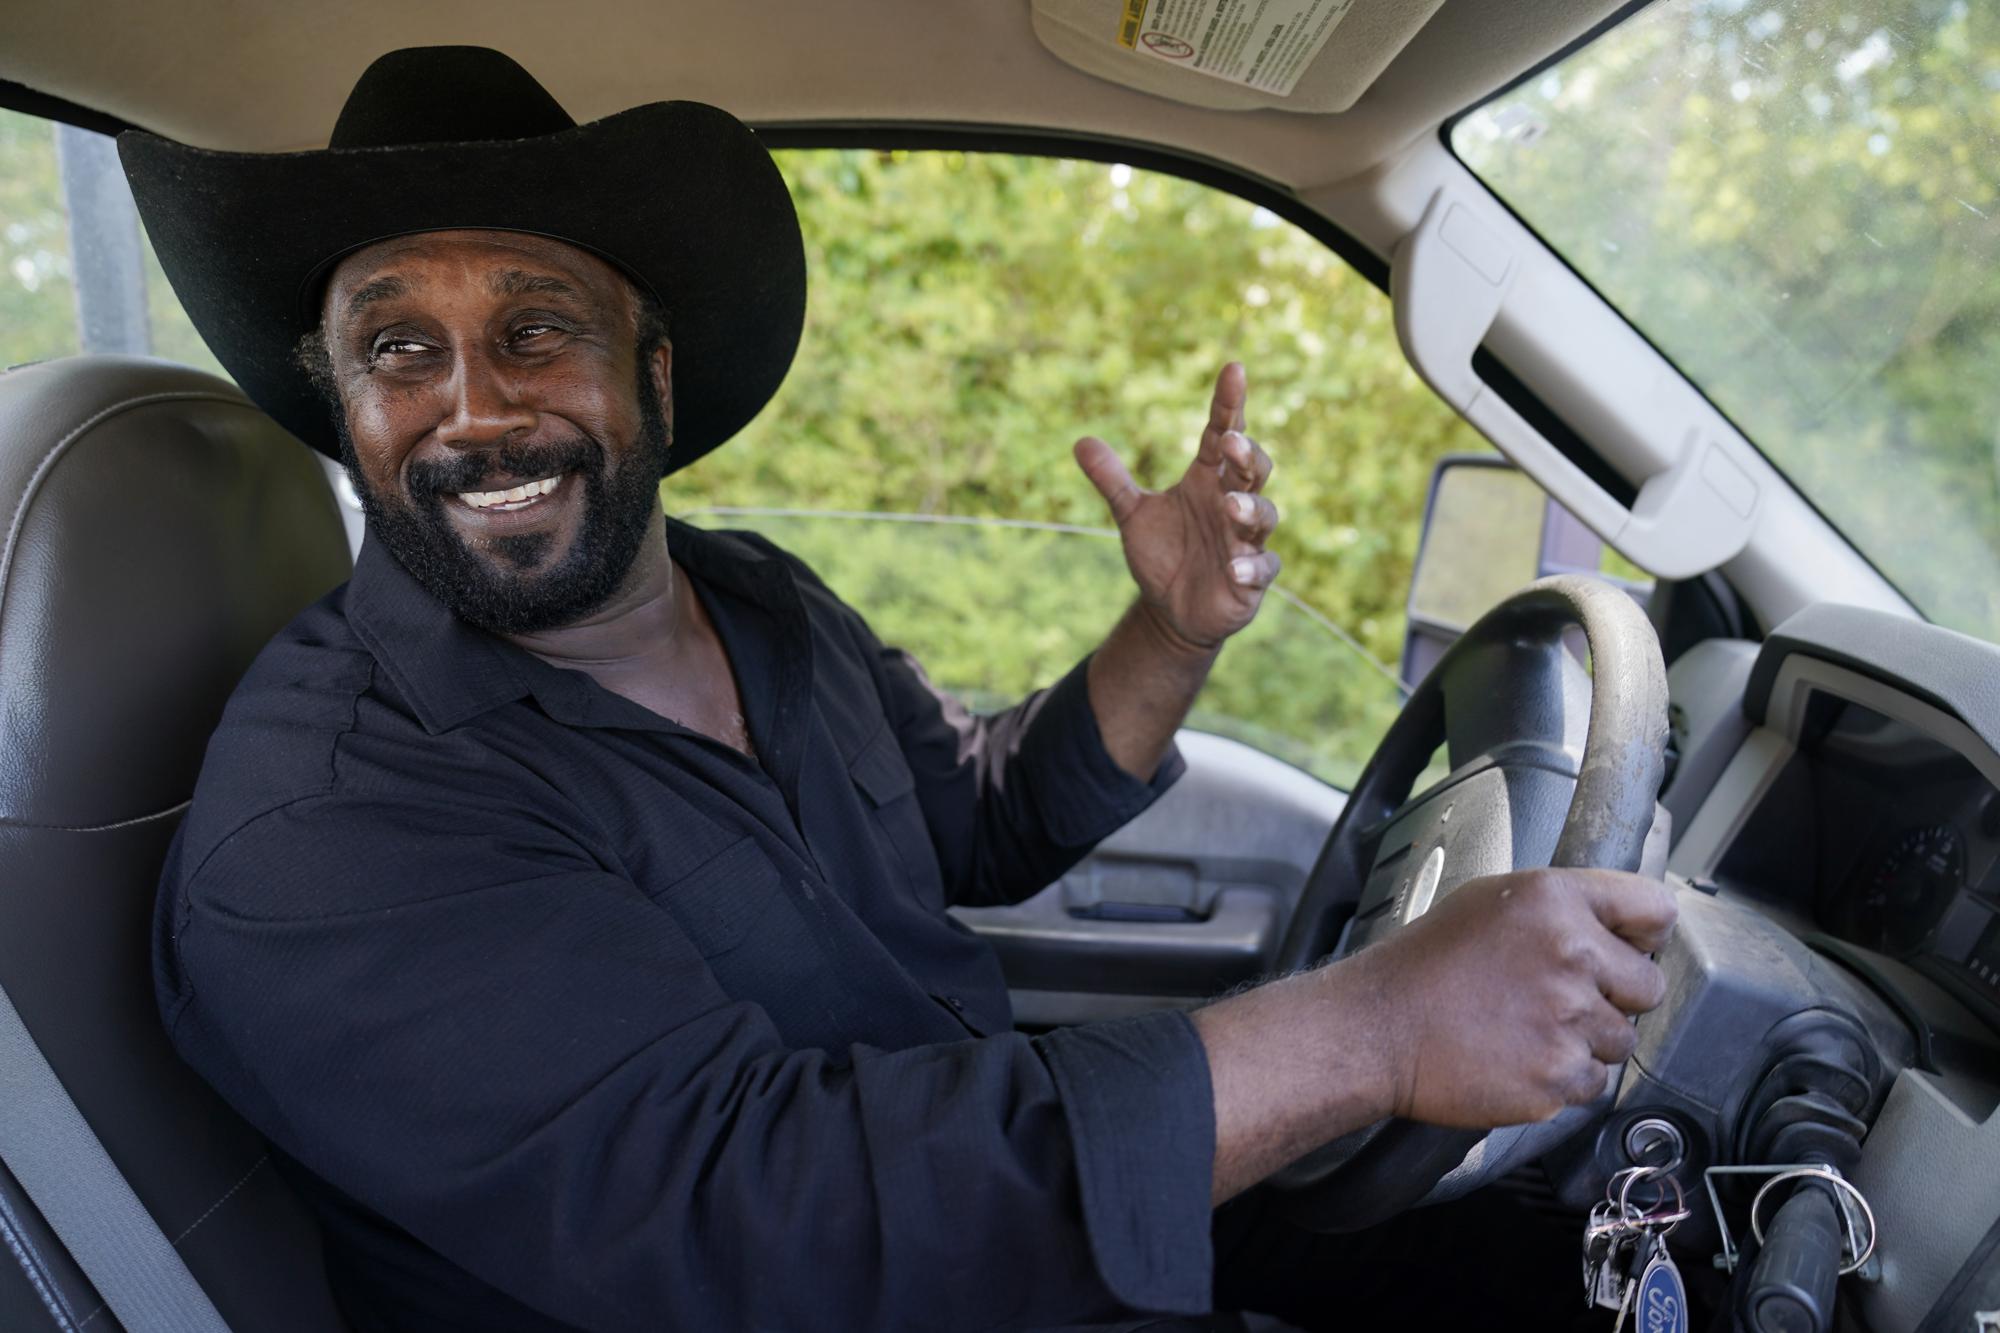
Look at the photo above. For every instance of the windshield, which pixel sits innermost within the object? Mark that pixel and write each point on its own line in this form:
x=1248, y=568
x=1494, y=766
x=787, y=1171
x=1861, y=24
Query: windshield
x=1799, y=202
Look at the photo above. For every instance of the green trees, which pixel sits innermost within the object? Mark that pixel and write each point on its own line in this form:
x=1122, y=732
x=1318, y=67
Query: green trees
x=1796, y=199
x=38, y=317
x=37, y=310
x=970, y=315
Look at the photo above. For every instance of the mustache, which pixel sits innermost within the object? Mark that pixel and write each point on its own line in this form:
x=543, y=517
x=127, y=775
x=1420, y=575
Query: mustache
x=511, y=462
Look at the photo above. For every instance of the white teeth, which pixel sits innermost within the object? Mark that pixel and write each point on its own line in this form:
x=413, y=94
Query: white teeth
x=516, y=495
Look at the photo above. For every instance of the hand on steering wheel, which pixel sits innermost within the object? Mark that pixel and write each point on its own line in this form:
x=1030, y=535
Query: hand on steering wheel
x=1513, y=998
x=1552, y=766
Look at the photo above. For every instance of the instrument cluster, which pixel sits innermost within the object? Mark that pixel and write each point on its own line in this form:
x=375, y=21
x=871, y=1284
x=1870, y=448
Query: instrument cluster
x=1910, y=847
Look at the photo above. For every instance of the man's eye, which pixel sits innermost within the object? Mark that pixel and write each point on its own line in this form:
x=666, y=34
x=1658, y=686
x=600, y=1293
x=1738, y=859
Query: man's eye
x=531, y=331
x=399, y=347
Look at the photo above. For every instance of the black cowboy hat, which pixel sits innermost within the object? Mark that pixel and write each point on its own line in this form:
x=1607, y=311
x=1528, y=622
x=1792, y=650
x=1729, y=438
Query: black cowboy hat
x=680, y=196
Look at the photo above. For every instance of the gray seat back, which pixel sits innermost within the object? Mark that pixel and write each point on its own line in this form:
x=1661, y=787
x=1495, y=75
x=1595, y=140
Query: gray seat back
x=158, y=530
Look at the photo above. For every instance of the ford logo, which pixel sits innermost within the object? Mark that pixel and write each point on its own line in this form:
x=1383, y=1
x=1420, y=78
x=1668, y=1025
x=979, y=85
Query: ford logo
x=1661, y=1301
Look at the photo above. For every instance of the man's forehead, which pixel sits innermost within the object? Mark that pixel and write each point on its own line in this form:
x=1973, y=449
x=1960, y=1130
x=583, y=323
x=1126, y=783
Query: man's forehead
x=504, y=263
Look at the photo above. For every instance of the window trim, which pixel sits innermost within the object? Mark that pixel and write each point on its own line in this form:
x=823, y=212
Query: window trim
x=888, y=136
x=46, y=106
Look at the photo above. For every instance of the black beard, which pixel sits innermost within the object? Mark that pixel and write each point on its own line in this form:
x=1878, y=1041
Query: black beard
x=527, y=598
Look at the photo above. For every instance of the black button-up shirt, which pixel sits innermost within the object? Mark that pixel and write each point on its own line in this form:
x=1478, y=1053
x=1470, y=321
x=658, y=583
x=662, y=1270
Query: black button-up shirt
x=562, y=1014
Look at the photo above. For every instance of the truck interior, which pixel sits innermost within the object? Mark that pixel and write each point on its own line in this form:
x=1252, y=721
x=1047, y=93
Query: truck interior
x=1805, y=580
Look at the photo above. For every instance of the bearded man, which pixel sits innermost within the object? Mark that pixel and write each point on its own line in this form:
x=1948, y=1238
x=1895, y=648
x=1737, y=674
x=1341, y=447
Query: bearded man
x=565, y=897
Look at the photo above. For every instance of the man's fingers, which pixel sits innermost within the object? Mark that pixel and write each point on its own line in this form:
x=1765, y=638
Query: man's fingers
x=1225, y=405
x=1639, y=911
x=1225, y=411
x=1247, y=466
x=1592, y=1080
x=1611, y=1035
x=1630, y=980
x=1254, y=571
x=1251, y=516
x=1107, y=472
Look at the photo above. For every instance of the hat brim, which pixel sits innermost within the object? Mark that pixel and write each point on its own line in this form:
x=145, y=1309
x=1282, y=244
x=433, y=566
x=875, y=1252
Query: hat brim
x=678, y=194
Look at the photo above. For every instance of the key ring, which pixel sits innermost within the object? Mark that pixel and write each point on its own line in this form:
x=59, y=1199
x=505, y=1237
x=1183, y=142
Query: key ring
x=1834, y=1178
x=1623, y=1182
x=1659, y=1215
x=1661, y=1223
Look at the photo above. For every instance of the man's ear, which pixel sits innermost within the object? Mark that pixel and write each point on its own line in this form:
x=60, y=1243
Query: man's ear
x=661, y=368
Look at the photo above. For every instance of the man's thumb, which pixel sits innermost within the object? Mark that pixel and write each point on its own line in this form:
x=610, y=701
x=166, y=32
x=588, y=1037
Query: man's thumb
x=1100, y=462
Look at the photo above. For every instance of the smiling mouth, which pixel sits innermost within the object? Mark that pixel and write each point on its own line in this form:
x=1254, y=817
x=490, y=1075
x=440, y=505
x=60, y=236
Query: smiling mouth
x=511, y=498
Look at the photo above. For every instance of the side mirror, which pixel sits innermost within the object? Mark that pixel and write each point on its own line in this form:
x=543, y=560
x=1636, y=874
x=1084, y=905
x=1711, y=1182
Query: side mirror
x=1489, y=530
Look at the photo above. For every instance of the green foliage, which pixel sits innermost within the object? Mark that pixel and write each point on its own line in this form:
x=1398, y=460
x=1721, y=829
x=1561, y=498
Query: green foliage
x=1796, y=199
x=972, y=314
x=37, y=305
x=37, y=294
x=994, y=610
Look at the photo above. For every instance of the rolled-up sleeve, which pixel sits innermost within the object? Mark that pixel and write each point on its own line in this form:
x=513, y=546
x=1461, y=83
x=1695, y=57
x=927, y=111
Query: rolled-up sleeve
x=1014, y=798
x=514, y=1054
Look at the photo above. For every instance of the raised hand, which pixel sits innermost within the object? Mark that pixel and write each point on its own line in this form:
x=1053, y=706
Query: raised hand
x=1196, y=549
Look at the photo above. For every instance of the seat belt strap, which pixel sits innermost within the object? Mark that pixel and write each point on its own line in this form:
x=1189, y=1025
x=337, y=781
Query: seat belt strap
x=49, y=1146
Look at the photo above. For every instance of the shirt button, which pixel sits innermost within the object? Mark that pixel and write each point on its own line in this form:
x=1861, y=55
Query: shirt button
x=955, y=1002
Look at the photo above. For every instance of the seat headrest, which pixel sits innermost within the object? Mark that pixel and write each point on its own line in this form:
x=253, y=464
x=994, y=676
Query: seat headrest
x=159, y=529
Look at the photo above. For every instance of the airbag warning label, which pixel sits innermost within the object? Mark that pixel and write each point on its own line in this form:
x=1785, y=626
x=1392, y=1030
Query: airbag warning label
x=1261, y=44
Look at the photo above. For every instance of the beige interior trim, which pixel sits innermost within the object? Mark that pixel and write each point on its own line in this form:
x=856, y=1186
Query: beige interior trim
x=271, y=78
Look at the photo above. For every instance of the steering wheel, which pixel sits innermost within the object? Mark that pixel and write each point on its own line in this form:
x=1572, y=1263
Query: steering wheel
x=1550, y=766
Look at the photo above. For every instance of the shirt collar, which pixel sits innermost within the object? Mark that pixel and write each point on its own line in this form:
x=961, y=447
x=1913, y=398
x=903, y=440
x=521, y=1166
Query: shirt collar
x=451, y=671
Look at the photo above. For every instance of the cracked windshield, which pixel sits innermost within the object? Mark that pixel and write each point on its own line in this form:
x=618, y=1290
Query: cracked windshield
x=1799, y=202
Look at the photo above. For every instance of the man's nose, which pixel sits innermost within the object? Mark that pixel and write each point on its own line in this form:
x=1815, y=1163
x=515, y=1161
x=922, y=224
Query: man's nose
x=485, y=406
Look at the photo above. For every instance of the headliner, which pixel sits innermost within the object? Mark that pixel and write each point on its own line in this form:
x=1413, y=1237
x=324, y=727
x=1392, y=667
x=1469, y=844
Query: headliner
x=223, y=74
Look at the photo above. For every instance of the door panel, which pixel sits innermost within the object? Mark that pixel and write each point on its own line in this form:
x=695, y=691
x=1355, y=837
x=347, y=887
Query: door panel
x=1186, y=901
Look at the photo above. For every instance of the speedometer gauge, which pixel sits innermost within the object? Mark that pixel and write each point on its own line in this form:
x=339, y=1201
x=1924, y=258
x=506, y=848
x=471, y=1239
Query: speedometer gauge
x=1895, y=905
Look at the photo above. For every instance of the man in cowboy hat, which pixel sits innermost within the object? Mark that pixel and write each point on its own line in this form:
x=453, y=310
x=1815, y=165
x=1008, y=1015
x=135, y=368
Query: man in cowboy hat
x=564, y=897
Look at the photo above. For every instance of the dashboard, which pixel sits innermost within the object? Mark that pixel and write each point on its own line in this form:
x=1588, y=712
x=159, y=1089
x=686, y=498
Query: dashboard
x=1849, y=790
x=1893, y=844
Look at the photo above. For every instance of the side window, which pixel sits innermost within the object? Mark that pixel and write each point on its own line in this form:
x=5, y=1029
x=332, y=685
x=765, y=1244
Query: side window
x=972, y=314
x=76, y=271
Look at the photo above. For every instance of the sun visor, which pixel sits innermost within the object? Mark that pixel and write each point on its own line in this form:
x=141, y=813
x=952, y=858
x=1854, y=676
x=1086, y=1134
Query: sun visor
x=1235, y=55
